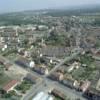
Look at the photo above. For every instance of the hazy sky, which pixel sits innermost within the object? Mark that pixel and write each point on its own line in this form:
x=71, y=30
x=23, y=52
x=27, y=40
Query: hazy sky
x=17, y=5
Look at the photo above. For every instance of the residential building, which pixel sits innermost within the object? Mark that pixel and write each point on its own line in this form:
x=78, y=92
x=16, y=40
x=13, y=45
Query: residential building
x=57, y=76
x=24, y=62
x=75, y=65
x=92, y=94
x=10, y=86
x=41, y=70
x=57, y=93
x=68, y=82
x=85, y=86
x=31, y=78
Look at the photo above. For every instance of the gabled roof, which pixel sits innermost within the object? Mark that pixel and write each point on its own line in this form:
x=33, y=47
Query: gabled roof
x=8, y=86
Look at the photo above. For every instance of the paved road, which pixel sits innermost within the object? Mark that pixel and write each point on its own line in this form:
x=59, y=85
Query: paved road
x=27, y=69
x=67, y=91
x=48, y=81
x=53, y=84
x=34, y=89
x=41, y=84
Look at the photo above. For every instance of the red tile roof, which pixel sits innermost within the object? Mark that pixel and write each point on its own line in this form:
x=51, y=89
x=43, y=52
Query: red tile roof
x=10, y=85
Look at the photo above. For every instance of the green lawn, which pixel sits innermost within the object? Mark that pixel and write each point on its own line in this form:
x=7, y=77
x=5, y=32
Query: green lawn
x=86, y=59
x=11, y=96
x=24, y=86
x=84, y=73
x=77, y=74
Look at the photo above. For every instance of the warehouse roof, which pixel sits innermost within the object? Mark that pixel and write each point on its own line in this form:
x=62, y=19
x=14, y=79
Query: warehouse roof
x=42, y=96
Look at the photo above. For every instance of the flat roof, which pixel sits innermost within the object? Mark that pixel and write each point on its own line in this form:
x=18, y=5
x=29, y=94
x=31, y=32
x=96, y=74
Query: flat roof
x=43, y=96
